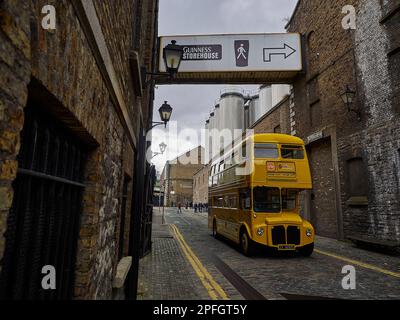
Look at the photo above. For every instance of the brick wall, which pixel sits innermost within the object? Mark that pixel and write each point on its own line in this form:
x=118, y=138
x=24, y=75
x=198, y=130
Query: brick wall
x=365, y=59
x=276, y=117
x=15, y=65
x=63, y=66
x=200, y=185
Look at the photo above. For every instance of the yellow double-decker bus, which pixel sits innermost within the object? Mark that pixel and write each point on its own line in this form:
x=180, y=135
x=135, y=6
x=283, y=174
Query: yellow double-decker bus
x=261, y=205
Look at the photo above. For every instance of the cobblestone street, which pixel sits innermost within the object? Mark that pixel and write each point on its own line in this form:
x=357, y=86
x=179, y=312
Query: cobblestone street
x=168, y=274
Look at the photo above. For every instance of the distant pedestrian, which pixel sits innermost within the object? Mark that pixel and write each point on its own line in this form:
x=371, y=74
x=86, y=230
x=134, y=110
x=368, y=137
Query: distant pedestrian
x=195, y=208
x=179, y=207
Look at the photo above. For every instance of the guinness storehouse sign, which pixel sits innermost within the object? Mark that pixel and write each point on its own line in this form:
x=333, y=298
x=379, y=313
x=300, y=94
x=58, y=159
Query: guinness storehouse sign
x=241, y=58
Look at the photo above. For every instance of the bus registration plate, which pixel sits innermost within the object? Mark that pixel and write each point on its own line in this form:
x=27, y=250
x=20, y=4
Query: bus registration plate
x=286, y=247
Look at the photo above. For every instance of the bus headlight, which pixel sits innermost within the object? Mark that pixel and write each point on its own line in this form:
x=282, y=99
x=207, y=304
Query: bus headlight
x=308, y=232
x=260, y=231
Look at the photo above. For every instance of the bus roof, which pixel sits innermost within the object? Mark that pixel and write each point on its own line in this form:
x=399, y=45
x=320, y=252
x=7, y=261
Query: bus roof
x=277, y=138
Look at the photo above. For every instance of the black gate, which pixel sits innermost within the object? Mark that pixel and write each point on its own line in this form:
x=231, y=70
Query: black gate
x=147, y=217
x=43, y=223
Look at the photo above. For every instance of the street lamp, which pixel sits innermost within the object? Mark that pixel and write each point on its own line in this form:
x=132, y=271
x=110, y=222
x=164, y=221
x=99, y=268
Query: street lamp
x=348, y=98
x=172, y=56
x=163, y=147
x=165, y=112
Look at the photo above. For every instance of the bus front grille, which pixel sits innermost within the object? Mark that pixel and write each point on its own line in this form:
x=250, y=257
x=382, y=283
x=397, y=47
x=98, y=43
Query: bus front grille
x=278, y=235
x=293, y=235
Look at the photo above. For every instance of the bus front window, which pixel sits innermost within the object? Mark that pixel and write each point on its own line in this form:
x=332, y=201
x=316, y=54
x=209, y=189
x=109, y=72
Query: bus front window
x=289, y=199
x=266, y=200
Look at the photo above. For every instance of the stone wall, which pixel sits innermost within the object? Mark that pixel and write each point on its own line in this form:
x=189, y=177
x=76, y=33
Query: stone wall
x=15, y=73
x=364, y=59
x=62, y=65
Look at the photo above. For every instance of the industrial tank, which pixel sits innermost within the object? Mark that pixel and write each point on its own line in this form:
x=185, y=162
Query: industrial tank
x=211, y=126
x=246, y=115
x=279, y=91
x=253, y=108
x=231, y=110
x=217, y=117
x=265, y=103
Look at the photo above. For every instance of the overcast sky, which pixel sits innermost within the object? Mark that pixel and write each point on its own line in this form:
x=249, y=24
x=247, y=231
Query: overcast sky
x=192, y=104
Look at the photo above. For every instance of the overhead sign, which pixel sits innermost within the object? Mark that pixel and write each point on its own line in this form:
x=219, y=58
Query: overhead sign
x=237, y=53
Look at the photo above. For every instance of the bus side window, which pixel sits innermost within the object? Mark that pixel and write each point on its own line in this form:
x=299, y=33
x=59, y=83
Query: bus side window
x=245, y=199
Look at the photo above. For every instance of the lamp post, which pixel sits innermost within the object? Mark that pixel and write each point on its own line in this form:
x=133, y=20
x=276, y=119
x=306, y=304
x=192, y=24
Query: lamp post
x=348, y=98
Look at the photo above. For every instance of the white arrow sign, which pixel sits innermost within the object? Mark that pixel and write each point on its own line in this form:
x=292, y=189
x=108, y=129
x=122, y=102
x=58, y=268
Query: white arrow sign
x=286, y=51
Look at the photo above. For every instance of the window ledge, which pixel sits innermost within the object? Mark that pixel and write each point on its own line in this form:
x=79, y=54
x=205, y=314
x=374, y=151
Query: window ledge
x=122, y=272
x=357, y=201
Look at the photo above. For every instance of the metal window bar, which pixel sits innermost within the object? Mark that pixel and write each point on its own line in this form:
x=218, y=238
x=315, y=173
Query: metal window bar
x=43, y=223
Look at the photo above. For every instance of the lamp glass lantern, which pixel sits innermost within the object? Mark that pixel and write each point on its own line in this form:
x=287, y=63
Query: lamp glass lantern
x=172, y=56
x=348, y=96
x=165, y=112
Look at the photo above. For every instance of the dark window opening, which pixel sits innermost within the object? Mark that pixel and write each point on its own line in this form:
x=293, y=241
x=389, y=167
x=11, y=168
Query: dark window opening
x=357, y=178
x=289, y=199
x=266, y=199
x=44, y=220
x=277, y=129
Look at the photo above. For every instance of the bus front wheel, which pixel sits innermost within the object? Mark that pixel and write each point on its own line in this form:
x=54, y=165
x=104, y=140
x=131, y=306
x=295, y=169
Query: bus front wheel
x=245, y=243
x=307, y=250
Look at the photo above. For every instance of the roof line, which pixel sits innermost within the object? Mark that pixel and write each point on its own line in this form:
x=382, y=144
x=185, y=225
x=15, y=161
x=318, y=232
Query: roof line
x=293, y=14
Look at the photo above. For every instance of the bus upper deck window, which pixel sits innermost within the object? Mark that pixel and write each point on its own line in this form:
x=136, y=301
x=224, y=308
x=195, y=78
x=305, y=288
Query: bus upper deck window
x=266, y=199
x=265, y=150
x=292, y=152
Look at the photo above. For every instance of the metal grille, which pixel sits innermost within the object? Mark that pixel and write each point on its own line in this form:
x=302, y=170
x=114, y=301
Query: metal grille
x=293, y=235
x=278, y=235
x=43, y=223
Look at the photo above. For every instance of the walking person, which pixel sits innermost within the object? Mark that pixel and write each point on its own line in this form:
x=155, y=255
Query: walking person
x=179, y=207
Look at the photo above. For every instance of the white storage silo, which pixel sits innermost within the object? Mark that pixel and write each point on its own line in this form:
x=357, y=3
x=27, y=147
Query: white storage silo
x=279, y=91
x=217, y=117
x=253, y=108
x=265, y=102
x=231, y=109
x=246, y=115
